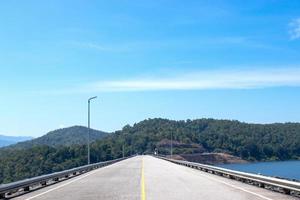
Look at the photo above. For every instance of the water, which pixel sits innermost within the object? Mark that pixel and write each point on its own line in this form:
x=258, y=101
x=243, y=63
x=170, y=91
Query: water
x=284, y=169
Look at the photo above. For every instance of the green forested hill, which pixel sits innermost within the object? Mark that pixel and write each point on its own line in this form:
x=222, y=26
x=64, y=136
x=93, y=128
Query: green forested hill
x=62, y=137
x=249, y=141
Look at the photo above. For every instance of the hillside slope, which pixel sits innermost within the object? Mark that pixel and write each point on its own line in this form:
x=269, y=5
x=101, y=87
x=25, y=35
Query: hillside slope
x=278, y=141
x=63, y=137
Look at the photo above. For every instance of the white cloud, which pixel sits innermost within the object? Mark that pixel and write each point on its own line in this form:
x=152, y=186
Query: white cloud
x=203, y=80
x=62, y=126
x=294, y=31
x=196, y=80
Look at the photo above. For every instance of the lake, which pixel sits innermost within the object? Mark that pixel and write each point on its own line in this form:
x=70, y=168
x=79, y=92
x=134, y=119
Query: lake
x=285, y=169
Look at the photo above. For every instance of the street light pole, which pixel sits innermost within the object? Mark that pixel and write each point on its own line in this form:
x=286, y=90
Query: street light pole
x=171, y=145
x=89, y=112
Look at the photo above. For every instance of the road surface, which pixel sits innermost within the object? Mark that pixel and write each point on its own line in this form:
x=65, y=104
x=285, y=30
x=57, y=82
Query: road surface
x=146, y=177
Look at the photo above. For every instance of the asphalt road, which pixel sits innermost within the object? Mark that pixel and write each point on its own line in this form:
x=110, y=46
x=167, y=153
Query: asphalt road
x=146, y=177
x=118, y=181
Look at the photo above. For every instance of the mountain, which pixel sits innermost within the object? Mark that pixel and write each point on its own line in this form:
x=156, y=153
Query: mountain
x=251, y=142
x=8, y=140
x=75, y=135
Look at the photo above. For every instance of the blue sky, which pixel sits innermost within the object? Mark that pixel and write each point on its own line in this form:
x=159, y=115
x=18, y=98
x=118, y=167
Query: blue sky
x=144, y=59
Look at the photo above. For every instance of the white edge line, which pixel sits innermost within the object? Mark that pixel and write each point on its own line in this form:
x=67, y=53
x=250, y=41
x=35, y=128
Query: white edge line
x=236, y=187
x=60, y=186
x=239, y=188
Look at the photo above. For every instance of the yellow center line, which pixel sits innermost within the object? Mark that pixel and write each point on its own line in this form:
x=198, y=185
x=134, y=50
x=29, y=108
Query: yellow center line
x=143, y=191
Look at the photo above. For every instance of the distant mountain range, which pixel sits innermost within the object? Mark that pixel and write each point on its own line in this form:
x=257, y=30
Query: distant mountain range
x=62, y=137
x=8, y=140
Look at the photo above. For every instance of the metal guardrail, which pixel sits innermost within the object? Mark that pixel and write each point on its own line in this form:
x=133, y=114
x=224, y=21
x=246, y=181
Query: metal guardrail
x=24, y=186
x=275, y=184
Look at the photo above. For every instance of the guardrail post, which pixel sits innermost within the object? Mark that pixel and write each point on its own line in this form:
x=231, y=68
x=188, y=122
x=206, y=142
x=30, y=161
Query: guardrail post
x=26, y=189
x=286, y=191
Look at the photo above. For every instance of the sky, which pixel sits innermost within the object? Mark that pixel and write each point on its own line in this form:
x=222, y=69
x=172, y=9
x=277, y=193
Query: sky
x=144, y=59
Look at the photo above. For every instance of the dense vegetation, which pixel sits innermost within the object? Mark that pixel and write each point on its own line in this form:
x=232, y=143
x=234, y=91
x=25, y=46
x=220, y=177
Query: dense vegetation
x=249, y=141
x=62, y=137
x=19, y=164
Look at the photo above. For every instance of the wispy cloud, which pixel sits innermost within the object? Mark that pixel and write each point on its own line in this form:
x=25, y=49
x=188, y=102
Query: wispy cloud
x=100, y=47
x=218, y=79
x=294, y=31
x=173, y=44
x=197, y=80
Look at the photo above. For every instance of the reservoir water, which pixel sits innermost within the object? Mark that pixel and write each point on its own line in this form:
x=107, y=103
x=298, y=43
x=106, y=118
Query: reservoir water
x=284, y=169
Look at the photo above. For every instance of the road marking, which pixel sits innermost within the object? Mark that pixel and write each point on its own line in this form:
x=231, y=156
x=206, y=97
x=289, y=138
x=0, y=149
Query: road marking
x=236, y=187
x=143, y=191
x=81, y=177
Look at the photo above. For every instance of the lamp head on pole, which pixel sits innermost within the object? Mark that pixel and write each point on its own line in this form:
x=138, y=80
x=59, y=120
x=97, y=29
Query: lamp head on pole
x=92, y=98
